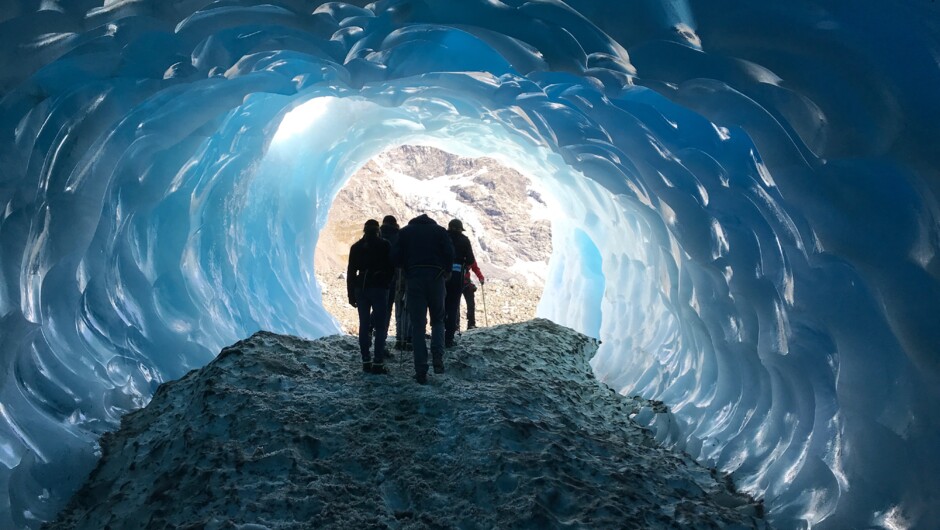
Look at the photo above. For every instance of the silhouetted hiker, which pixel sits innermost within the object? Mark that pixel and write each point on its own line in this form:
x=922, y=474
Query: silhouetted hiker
x=425, y=254
x=463, y=257
x=396, y=291
x=469, y=288
x=367, y=279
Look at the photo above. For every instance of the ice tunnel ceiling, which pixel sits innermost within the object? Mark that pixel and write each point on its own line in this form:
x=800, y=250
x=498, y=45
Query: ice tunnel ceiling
x=748, y=197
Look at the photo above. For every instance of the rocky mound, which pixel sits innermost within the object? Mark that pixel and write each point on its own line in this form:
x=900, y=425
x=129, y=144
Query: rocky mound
x=279, y=432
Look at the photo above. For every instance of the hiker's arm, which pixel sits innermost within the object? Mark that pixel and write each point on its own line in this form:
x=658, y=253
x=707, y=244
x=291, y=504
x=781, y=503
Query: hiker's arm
x=476, y=270
x=351, y=277
x=389, y=266
x=448, y=248
x=469, y=251
x=395, y=254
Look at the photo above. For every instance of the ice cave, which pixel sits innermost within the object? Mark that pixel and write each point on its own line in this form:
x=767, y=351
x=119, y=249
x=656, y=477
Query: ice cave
x=747, y=196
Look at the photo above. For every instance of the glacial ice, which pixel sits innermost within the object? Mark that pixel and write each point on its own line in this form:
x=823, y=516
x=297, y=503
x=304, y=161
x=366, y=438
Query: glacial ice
x=745, y=200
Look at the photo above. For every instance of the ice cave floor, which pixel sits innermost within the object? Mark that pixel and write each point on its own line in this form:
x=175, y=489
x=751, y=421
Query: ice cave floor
x=279, y=432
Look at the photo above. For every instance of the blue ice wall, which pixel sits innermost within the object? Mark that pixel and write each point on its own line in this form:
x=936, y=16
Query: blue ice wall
x=746, y=196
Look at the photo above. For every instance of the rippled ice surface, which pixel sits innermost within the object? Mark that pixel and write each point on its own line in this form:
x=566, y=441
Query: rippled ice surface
x=745, y=197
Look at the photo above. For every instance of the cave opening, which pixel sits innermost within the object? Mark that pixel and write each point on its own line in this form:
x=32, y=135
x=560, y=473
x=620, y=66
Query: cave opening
x=331, y=147
x=504, y=214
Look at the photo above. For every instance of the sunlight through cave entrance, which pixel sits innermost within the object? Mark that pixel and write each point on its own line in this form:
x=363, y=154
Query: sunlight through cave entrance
x=503, y=212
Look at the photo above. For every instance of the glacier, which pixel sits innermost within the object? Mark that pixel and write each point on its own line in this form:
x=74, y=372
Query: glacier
x=744, y=197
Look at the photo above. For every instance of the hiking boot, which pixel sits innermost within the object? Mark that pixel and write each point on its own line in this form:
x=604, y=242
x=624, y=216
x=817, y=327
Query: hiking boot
x=421, y=379
x=438, y=368
x=471, y=326
x=367, y=367
x=379, y=369
x=449, y=343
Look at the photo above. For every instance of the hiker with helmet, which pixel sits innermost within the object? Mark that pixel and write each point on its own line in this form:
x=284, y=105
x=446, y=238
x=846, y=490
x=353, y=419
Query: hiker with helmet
x=367, y=280
x=463, y=258
x=469, y=288
x=425, y=253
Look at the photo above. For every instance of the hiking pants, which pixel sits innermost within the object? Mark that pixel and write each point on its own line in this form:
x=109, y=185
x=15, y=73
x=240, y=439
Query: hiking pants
x=396, y=306
x=452, y=306
x=469, y=297
x=373, y=320
x=402, y=320
x=425, y=294
x=389, y=312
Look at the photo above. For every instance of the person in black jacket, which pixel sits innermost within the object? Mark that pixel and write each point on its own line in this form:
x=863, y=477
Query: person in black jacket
x=425, y=254
x=463, y=258
x=396, y=290
x=367, y=279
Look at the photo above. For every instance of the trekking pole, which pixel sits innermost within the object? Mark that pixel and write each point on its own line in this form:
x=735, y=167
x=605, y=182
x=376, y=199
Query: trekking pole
x=483, y=291
x=405, y=322
x=402, y=322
